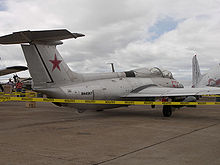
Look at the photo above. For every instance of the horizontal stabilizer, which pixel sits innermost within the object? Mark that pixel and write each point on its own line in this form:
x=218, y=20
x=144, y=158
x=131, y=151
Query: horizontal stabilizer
x=38, y=36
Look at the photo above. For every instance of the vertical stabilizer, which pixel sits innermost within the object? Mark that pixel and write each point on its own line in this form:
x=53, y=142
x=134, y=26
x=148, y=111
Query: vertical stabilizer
x=46, y=66
x=45, y=63
x=196, y=74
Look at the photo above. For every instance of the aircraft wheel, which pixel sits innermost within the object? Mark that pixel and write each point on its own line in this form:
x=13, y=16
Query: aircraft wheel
x=167, y=110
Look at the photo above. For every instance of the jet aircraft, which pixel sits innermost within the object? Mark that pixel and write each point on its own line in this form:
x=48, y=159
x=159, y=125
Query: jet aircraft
x=52, y=76
x=211, y=78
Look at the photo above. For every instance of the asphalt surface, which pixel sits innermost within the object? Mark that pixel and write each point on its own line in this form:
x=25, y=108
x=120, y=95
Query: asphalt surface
x=135, y=135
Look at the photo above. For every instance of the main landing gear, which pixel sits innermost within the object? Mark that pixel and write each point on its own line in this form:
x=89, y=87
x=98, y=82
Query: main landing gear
x=167, y=110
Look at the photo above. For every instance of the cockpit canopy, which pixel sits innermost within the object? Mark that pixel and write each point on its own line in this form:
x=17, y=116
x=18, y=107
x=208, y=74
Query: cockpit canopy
x=149, y=72
x=167, y=74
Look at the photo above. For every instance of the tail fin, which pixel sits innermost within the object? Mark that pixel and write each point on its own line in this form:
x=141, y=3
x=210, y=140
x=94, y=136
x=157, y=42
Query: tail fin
x=45, y=64
x=196, y=75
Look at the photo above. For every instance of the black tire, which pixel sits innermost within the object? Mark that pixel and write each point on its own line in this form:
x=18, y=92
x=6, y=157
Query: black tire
x=167, y=110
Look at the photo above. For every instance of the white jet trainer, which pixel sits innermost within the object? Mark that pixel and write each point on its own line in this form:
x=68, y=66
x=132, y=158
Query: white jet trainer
x=210, y=78
x=53, y=77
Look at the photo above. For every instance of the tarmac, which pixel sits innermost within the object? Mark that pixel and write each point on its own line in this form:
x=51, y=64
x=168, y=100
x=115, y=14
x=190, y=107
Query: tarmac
x=135, y=135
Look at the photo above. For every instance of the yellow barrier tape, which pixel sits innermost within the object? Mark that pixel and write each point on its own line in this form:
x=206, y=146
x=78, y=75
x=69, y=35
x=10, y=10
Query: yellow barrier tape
x=211, y=95
x=104, y=101
x=18, y=93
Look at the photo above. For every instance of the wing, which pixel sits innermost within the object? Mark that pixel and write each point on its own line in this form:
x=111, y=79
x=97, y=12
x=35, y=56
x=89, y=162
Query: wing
x=12, y=69
x=172, y=92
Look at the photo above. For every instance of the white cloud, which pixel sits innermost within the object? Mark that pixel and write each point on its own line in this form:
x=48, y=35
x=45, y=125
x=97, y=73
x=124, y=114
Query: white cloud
x=118, y=31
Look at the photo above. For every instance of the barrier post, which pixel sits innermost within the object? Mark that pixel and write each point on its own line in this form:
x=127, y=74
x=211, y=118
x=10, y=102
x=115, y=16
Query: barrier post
x=7, y=89
x=30, y=104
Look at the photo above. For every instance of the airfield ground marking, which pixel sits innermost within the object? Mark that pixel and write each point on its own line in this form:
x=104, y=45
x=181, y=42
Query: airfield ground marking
x=155, y=144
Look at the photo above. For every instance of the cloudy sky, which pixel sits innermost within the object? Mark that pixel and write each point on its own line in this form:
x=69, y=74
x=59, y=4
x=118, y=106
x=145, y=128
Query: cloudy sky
x=130, y=33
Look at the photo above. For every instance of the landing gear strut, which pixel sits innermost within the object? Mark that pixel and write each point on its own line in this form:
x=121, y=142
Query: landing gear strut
x=167, y=110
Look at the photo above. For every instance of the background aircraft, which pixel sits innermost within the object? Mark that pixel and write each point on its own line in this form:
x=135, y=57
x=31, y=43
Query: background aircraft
x=9, y=70
x=12, y=69
x=52, y=76
x=211, y=78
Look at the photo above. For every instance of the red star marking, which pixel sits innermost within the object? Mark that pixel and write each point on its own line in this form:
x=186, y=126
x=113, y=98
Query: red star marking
x=55, y=63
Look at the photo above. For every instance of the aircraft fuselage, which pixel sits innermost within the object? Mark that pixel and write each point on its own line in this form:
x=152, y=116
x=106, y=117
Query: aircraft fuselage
x=106, y=89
